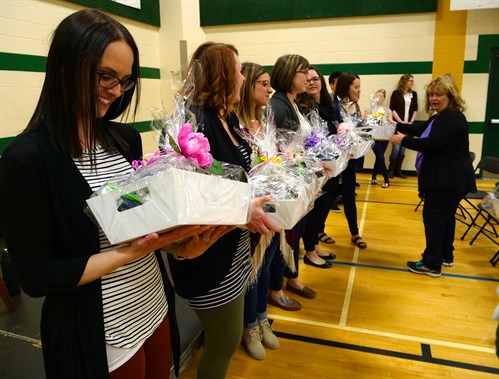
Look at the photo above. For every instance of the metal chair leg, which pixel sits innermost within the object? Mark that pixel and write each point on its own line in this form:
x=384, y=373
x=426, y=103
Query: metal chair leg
x=493, y=261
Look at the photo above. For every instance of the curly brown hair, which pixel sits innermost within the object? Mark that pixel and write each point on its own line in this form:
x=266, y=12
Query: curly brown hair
x=212, y=68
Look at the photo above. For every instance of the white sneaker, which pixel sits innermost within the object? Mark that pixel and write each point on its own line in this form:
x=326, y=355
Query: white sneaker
x=268, y=337
x=252, y=341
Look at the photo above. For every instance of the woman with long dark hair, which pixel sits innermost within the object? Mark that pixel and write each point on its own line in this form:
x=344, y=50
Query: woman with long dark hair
x=317, y=98
x=346, y=97
x=108, y=310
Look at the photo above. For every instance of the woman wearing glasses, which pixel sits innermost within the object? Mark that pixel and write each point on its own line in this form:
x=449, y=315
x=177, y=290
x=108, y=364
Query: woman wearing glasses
x=289, y=79
x=255, y=95
x=318, y=98
x=108, y=310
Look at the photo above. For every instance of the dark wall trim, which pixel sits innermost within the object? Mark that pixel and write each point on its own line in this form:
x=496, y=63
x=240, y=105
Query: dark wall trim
x=485, y=44
x=37, y=63
x=148, y=14
x=230, y=12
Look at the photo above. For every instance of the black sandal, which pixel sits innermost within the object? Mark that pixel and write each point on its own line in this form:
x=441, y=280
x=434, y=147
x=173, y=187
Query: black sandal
x=323, y=237
x=357, y=240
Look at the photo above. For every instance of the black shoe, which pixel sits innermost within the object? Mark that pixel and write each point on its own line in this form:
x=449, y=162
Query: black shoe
x=326, y=264
x=400, y=174
x=329, y=256
x=391, y=174
x=335, y=208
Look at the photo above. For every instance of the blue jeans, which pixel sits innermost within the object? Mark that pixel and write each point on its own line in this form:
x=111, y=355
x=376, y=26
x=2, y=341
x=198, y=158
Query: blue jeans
x=255, y=300
x=397, y=152
x=379, y=149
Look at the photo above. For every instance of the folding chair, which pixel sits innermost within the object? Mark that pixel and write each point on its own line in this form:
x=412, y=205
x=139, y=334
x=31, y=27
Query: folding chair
x=489, y=164
x=462, y=213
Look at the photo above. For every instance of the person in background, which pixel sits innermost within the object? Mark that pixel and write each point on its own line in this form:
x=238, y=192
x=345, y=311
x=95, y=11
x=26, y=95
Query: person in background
x=255, y=95
x=332, y=80
x=316, y=98
x=404, y=107
x=445, y=173
x=289, y=78
x=380, y=146
x=215, y=283
x=91, y=324
x=348, y=89
x=332, y=84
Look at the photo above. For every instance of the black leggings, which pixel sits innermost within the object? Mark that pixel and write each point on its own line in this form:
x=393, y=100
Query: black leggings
x=348, y=178
x=318, y=215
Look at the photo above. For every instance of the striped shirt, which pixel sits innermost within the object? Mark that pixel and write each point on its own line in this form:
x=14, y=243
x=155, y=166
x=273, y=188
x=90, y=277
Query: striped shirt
x=134, y=302
x=237, y=278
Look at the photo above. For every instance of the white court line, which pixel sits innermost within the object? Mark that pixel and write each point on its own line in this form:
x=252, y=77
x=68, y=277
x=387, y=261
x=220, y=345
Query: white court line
x=428, y=341
x=19, y=337
x=353, y=269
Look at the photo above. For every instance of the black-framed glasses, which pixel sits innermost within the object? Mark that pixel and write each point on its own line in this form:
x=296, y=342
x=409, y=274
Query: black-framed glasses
x=108, y=81
x=264, y=83
x=302, y=71
x=315, y=79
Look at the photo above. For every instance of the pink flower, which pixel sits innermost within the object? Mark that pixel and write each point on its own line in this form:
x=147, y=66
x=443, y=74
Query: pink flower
x=195, y=145
x=345, y=127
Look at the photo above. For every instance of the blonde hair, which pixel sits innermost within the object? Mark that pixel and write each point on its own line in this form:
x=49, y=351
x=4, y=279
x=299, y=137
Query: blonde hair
x=445, y=83
x=247, y=109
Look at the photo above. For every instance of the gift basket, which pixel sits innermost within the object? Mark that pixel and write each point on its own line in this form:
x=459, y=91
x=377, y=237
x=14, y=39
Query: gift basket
x=353, y=133
x=292, y=179
x=377, y=121
x=264, y=144
x=180, y=184
x=324, y=147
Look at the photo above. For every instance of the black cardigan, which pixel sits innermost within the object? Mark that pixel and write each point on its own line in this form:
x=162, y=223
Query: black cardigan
x=50, y=240
x=446, y=164
x=195, y=277
x=397, y=104
x=284, y=115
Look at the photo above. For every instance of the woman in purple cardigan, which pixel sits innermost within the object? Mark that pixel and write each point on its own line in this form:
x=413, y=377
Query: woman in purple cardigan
x=443, y=166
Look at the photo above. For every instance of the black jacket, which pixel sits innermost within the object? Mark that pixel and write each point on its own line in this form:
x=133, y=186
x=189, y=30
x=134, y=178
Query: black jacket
x=195, y=277
x=284, y=115
x=50, y=240
x=446, y=163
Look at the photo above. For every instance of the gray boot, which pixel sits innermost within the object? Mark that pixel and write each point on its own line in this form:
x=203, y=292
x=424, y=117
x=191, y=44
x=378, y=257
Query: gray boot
x=252, y=341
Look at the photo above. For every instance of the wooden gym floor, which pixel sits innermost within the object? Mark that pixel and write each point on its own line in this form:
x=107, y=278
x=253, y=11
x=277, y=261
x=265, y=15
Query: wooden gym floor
x=371, y=317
